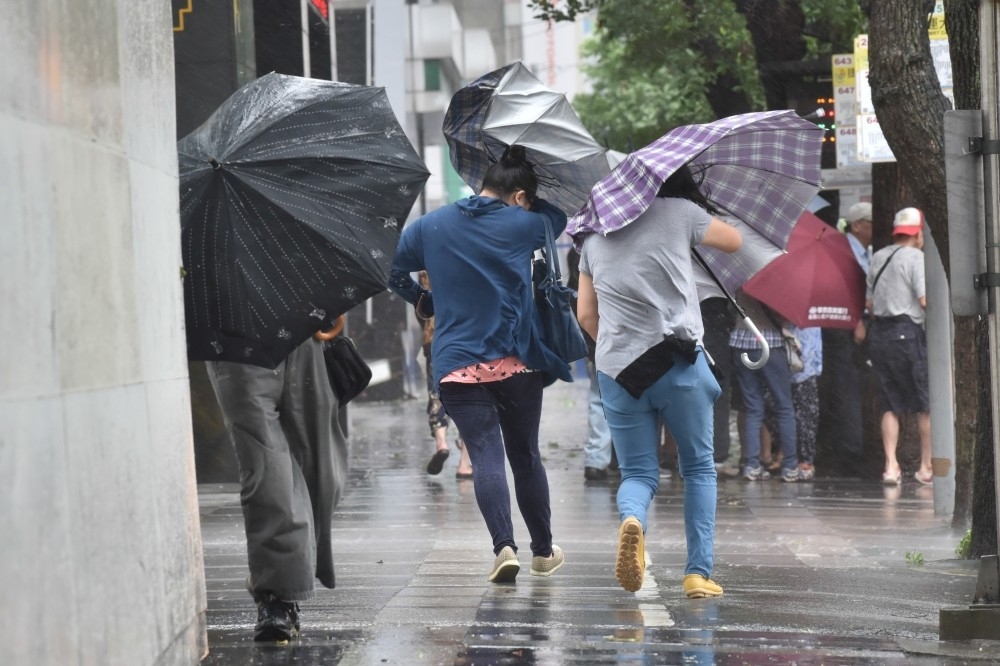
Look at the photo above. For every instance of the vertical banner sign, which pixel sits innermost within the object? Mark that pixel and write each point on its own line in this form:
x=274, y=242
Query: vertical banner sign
x=939, y=51
x=844, y=107
x=872, y=146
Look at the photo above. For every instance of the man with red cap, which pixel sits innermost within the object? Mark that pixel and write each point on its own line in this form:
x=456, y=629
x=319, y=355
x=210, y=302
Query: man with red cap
x=897, y=345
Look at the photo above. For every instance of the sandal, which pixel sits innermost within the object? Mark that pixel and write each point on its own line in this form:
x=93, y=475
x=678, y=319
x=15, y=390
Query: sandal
x=924, y=480
x=463, y=475
x=437, y=461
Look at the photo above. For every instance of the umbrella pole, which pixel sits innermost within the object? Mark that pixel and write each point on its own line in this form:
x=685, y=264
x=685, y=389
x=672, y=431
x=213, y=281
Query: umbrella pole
x=765, y=349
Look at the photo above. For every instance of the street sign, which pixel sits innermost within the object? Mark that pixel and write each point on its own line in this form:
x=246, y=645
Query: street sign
x=846, y=133
x=871, y=143
x=966, y=218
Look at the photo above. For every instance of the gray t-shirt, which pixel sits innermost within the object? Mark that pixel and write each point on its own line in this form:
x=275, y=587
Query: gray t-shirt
x=644, y=281
x=901, y=284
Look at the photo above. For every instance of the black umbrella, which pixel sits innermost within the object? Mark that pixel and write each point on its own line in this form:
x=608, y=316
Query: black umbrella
x=293, y=195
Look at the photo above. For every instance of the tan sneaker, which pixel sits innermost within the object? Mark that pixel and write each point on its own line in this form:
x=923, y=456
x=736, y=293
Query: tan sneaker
x=546, y=566
x=697, y=586
x=505, y=567
x=631, y=565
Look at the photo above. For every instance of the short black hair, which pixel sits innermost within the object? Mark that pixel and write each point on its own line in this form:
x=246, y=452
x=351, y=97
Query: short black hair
x=511, y=173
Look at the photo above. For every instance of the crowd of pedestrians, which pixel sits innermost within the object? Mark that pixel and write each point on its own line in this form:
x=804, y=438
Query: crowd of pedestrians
x=658, y=357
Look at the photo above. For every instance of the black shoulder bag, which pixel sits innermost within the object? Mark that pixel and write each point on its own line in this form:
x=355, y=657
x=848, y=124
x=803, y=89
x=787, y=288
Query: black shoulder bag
x=349, y=374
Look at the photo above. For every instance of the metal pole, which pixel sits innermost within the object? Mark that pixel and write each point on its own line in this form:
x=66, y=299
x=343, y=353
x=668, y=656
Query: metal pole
x=989, y=17
x=304, y=19
x=331, y=22
x=369, y=45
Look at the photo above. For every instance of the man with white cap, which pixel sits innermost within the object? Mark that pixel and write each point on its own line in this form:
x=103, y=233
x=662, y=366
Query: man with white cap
x=896, y=297
x=859, y=231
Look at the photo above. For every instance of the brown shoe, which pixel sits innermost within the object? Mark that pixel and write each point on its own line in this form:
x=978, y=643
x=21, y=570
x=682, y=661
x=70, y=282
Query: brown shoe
x=631, y=565
x=697, y=586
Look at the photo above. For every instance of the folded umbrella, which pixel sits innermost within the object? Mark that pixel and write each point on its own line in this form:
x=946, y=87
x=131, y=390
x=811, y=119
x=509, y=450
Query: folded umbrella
x=293, y=195
x=818, y=282
x=511, y=106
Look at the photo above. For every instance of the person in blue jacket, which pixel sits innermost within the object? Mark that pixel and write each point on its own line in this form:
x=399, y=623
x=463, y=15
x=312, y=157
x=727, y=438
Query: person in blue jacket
x=489, y=361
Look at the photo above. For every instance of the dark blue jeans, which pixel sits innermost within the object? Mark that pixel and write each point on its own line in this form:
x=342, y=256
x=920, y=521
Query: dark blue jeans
x=494, y=418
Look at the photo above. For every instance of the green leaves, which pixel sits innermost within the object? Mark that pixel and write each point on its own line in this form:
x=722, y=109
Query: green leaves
x=658, y=64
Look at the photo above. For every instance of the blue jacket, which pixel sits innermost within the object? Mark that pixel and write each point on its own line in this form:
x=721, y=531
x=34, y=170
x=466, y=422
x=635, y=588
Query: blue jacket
x=477, y=253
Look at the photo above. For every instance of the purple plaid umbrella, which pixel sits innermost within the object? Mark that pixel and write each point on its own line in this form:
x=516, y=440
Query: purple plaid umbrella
x=761, y=168
x=511, y=106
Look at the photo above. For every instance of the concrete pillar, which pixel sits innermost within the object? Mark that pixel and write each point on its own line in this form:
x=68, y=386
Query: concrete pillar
x=101, y=555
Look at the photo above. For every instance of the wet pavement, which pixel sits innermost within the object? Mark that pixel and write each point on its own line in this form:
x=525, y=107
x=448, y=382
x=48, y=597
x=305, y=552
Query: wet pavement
x=835, y=571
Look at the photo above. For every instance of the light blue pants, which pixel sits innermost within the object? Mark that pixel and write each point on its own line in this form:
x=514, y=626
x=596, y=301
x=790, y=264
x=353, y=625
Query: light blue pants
x=684, y=399
x=597, y=450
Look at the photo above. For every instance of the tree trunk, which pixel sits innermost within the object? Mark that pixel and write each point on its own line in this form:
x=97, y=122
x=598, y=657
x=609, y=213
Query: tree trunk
x=910, y=107
x=724, y=97
x=890, y=192
x=909, y=104
x=777, y=32
x=984, y=504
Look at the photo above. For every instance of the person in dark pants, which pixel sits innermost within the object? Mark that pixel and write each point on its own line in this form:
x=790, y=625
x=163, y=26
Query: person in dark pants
x=718, y=319
x=843, y=382
x=775, y=377
x=293, y=460
x=897, y=297
x=489, y=360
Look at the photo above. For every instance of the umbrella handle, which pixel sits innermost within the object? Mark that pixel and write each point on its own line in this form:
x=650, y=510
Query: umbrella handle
x=332, y=332
x=765, y=349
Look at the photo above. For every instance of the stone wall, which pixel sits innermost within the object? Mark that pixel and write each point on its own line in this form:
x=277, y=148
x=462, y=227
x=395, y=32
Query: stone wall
x=101, y=557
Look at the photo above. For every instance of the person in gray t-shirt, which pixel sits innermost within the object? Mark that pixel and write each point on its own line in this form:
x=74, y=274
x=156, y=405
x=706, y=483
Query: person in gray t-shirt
x=897, y=345
x=637, y=299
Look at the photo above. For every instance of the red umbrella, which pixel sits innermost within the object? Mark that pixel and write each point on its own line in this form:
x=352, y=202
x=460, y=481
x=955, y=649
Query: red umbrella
x=817, y=282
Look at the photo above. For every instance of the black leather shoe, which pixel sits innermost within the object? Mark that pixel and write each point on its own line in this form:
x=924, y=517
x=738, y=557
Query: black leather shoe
x=594, y=473
x=277, y=620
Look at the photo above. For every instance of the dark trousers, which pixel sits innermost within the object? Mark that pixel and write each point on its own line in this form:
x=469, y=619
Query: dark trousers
x=841, y=387
x=495, y=418
x=718, y=321
x=293, y=466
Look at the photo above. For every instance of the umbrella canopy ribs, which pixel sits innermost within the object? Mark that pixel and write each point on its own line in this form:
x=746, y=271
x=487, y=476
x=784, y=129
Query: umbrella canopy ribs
x=293, y=195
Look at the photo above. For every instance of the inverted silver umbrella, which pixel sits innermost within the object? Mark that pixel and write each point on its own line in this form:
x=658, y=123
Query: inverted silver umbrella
x=511, y=106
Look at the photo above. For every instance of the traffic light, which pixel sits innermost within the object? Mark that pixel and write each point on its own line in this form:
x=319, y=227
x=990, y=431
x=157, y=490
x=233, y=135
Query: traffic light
x=827, y=119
